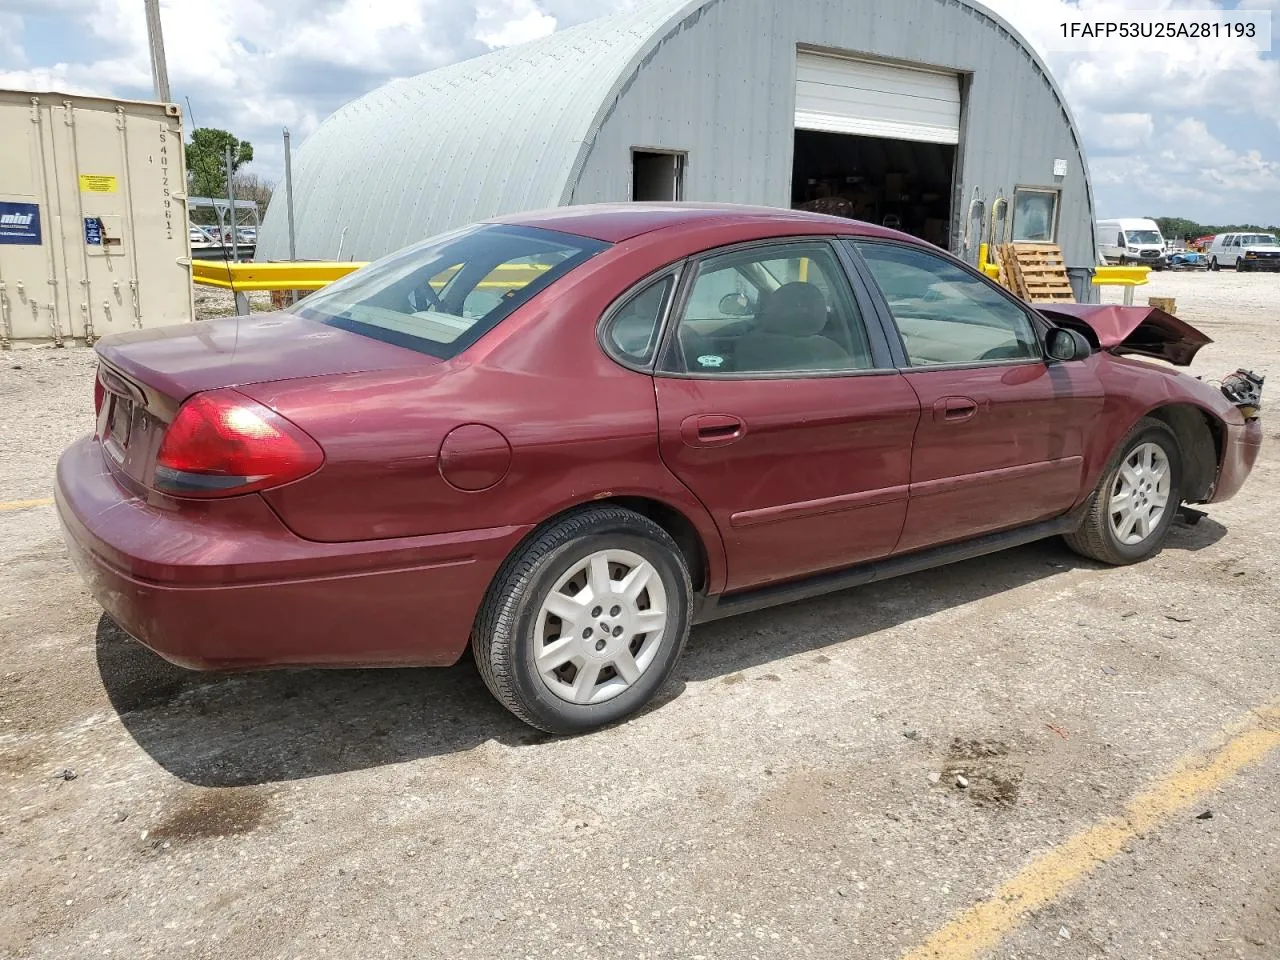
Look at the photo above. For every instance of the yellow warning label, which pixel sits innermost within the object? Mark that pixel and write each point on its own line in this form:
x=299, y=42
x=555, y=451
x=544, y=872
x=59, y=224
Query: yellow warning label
x=97, y=183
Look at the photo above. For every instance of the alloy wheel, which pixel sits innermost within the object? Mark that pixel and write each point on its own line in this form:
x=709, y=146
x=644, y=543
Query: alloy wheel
x=1140, y=494
x=600, y=627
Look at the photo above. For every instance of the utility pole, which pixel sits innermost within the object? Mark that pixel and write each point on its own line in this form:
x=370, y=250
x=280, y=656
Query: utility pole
x=288, y=204
x=155, y=38
x=242, y=299
x=288, y=194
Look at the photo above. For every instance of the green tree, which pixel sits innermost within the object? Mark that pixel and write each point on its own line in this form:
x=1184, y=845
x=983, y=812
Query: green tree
x=207, y=160
x=1177, y=228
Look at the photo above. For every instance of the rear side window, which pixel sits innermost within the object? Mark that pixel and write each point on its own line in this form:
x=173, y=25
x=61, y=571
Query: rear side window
x=778, y=309
x=631, y=332
x=443, y=294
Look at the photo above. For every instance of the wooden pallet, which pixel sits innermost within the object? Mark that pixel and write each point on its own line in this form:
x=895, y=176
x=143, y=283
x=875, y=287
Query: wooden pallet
x=1036, y=272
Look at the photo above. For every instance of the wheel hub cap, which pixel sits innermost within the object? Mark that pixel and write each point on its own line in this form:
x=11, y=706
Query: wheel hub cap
x=1140, y=494
x=600, y=627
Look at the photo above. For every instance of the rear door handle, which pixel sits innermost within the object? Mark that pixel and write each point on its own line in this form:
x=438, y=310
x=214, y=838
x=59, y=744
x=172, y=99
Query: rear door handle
x=955, y=409
x=711, y=429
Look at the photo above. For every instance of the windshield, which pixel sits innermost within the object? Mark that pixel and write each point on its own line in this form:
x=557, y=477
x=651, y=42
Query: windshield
x=1143, y=236
x=441, y=295
x=1259, y=240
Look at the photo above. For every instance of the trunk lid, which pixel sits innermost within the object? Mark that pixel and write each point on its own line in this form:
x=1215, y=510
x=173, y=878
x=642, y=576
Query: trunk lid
x=181, y=360
x=145, y=375
x=1143, y=331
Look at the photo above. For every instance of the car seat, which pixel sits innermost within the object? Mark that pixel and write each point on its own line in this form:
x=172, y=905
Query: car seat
x=788, y=334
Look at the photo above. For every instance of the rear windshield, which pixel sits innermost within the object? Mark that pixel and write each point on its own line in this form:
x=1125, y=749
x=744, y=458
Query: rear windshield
x=441, y=295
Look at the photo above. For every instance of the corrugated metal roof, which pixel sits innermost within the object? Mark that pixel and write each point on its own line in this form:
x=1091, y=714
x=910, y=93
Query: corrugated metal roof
x=514, y=129
x=500, y=132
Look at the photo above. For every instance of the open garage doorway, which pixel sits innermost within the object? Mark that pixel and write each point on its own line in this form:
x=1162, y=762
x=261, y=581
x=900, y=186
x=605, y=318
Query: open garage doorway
x=876, y=141
x=894, y=183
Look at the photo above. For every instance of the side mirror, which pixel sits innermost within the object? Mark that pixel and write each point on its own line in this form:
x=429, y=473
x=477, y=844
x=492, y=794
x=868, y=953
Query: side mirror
x=735, y=305
x=1064, y=345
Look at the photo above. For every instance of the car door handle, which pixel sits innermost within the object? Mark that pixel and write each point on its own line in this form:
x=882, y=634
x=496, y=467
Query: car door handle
x=711, y=429
x=955, y=409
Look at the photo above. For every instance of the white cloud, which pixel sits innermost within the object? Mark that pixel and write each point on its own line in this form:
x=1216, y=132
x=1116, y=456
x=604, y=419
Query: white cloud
x=1189, y=170
x=1119, y=131
x=507, y=23
x=1184, y=75
x=1144, y=114
x=10, y=31
x=1191, y=152
x=1195, y=127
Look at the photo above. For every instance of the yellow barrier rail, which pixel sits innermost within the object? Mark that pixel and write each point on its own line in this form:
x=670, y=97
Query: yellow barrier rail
x=1126, y=276
x=1103, y=275
x=302, y=275
x=314, y=274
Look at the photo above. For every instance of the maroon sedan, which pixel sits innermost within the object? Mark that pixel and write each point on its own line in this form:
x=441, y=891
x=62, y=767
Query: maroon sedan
x=564, y=437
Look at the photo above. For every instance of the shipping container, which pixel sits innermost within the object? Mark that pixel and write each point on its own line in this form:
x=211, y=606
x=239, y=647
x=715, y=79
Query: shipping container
x=93, y=217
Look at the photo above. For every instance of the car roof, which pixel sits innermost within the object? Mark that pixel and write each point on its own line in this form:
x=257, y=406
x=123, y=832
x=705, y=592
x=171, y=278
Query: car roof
x=616, y=222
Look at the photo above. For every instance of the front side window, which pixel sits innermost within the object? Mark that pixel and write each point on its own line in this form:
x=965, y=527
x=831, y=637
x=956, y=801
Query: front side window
x=784, y=308
x=944, y=314
x=441, y=295
x=1035, y=216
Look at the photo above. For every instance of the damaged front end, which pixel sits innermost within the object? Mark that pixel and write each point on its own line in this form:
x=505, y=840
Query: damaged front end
x=1152, y=332
x=1141, y=331
x=1244, y=389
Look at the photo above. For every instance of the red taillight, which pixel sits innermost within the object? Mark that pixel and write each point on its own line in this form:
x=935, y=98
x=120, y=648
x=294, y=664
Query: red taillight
x=222, y=443
x=99, y=394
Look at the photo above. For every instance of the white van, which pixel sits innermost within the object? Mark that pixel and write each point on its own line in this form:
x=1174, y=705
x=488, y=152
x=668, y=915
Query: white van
x=1244, y=251
x=1131, y=240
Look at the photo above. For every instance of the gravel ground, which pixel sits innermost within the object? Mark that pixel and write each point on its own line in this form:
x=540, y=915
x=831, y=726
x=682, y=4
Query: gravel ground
x=791, y=796
x=211, y=302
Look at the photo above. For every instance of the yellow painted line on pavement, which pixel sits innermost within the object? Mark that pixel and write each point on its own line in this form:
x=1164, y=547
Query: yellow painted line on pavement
x=982, y=926
x=7, y=505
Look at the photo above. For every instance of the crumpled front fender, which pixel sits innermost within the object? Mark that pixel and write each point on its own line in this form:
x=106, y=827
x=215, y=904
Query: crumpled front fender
x=1144, y=331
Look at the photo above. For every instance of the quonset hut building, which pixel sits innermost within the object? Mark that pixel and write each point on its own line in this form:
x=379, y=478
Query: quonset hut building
x=901, y=112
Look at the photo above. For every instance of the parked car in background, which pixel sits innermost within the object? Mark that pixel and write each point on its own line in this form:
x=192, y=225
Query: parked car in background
x=1185, y=260
x=1244, y=252
x=564, y=437
x=1133, y=240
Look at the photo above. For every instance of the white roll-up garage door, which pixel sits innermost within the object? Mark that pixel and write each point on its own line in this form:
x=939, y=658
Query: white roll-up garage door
x=841, y=95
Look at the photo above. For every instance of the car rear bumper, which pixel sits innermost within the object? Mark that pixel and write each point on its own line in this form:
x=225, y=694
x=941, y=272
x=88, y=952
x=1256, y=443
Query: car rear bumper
x=225, y=585
x=1243, y=443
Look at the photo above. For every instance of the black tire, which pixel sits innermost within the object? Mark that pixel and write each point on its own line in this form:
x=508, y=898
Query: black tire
x=503, y=637
x=1094, y=538
x=1213, y=264
x=1242, y=266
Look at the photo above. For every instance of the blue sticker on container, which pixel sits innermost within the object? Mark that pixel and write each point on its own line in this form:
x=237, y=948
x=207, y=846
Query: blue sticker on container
x=20, y=223
x=93, y=231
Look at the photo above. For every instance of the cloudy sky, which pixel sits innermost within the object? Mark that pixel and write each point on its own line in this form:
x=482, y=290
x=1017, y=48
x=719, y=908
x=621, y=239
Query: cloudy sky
x=1192, y=130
